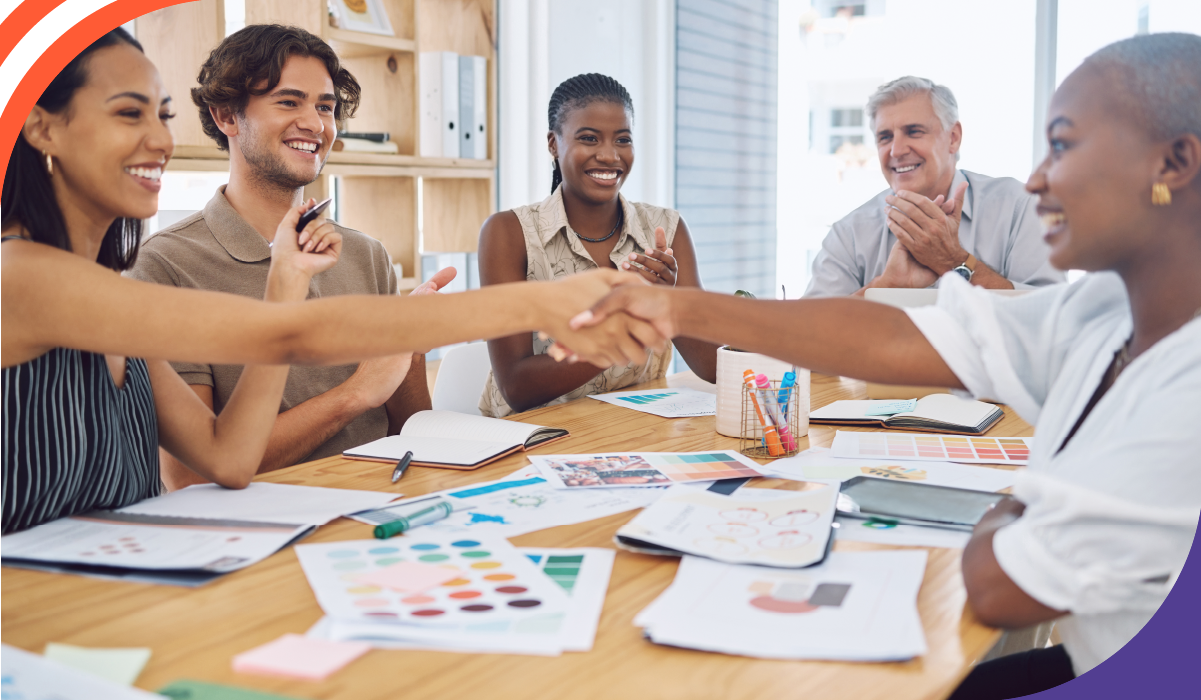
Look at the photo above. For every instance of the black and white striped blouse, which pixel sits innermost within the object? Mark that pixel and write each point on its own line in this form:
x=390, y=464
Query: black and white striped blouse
x=73, y=440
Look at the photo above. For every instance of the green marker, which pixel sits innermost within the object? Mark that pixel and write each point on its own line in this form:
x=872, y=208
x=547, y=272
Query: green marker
x=422, y=517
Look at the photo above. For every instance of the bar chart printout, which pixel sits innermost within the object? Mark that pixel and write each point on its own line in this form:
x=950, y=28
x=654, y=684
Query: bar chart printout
x=949, y=448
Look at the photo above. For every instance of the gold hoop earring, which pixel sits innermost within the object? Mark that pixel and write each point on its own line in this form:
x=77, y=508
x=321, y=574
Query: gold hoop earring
x=1161, y=196
x=49, y=164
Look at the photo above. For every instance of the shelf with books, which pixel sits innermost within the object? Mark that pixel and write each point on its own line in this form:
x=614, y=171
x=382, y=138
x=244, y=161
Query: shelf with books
x=377, y=193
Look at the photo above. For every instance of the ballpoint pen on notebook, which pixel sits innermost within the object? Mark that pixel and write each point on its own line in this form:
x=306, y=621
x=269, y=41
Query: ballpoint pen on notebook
x=773, y=407
x=774, y=448
x=402, y=466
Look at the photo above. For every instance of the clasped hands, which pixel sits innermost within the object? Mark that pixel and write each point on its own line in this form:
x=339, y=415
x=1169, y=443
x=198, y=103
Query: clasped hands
x=624, y=316
x=927, y=234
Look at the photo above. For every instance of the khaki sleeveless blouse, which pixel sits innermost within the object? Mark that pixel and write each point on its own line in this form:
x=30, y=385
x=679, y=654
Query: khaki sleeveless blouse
x=552, y=252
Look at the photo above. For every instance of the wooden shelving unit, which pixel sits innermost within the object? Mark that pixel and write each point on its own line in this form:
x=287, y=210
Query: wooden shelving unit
x=378, y=193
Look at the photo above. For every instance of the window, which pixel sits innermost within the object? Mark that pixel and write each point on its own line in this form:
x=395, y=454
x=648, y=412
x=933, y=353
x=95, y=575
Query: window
x=846, y=126
x=848, y=9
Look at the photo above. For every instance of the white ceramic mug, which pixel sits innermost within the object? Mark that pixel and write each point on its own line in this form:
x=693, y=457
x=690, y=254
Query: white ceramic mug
x=730, y=366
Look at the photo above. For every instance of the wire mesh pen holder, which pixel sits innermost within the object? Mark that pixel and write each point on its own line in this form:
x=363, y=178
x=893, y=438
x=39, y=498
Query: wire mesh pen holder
x=769, y=432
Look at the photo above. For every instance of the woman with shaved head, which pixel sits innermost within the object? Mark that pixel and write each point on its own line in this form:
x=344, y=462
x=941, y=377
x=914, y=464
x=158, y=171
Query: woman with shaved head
x=1107, y=369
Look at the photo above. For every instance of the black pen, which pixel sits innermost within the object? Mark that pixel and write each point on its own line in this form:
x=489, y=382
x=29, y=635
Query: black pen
x=402, y=466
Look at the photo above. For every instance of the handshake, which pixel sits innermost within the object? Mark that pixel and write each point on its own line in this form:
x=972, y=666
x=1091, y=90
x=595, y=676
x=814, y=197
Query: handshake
x=623, y=316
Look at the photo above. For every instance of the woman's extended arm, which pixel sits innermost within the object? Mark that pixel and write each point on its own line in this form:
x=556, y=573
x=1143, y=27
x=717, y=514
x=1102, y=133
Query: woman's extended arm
x=52, y=298
x=525, y=380
x=849, y=337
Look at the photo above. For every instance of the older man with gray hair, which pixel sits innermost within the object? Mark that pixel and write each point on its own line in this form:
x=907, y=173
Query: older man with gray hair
x=934, y=218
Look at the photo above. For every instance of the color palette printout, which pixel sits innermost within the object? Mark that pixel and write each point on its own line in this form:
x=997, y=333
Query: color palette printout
x=581, y=573
x=950, y=448
x=855, y=606
x=497, y=596
x=665, y=403
x=642, y=468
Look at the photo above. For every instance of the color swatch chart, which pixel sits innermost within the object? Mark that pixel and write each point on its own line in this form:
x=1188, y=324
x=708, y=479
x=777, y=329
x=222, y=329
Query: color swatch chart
x=950, y=448
x=701, y=467
x=563, y=569
x=443, y=581
x=669, y=403
x=645, y=398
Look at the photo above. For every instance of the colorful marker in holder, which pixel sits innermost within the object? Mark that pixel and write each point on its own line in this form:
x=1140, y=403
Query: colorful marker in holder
x=773, y=408
x=786, y=385
x=770, y=436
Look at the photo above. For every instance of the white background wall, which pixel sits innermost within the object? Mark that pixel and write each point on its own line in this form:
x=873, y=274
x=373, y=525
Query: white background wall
x=544, y=42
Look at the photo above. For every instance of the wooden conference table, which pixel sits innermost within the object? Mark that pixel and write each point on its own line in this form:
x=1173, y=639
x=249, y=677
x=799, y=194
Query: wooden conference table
x=194, y=633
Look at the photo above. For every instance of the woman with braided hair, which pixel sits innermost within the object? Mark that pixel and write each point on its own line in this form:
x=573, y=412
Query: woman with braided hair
x=584, y=224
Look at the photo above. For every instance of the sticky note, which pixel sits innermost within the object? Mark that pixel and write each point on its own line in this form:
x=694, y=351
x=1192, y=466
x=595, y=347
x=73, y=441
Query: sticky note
x=409, y=576
x=297, y=656
x=888, y=408
x=117, y=665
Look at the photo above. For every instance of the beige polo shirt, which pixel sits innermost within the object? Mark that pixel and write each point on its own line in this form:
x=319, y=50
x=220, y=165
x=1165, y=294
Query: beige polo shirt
x=216, y=249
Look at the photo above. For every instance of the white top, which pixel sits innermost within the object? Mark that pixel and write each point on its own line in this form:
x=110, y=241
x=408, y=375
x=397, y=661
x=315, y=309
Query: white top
x=1110, y=519
x=999, y=226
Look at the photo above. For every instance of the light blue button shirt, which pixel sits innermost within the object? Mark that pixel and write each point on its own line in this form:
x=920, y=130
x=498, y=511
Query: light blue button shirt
x=999, y=226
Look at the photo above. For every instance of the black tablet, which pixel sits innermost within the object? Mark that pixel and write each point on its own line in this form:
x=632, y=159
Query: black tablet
x=915, y=504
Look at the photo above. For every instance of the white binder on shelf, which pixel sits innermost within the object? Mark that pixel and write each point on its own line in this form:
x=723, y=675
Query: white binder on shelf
x=466, y=106
x=479, y=117
x=473, y=107
x=439, y=95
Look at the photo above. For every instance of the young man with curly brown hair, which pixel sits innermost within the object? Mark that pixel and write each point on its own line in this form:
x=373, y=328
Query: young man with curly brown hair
x=272, y=96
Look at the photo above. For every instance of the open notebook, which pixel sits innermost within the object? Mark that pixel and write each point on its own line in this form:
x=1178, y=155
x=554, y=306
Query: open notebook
x=936, y=413
x=455, y=440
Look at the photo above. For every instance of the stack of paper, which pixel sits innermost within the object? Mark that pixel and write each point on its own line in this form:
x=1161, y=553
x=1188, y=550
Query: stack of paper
x=642, y=468
x=821, y=464
x=857, y=606
x=31, y=676
x=263, y=502
x=753, y=526
x=397, y=594
x=184, y=538
x=519, y=503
